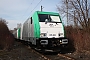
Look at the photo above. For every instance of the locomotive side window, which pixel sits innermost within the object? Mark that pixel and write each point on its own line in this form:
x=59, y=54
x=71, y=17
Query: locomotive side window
x=31, y=20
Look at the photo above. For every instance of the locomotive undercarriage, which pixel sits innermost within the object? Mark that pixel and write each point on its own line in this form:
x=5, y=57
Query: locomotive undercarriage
x=51, y=44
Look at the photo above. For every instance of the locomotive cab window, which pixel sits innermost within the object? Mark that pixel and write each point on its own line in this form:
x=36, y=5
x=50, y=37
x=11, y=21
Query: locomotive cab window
x=49, y=18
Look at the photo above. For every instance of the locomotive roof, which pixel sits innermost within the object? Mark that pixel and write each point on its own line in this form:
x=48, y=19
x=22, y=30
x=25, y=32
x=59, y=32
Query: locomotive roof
x=51, y=13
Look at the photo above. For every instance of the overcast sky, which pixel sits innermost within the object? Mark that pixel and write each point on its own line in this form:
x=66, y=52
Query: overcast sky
x=17, y=11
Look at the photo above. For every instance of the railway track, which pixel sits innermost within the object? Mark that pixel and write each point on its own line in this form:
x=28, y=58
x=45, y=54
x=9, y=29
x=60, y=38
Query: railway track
x=59, y=57
x=52, y=56
x=67, y=57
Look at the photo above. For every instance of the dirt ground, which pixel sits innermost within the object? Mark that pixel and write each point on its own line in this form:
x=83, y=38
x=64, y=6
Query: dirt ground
x=84, y=55
x=19, y=52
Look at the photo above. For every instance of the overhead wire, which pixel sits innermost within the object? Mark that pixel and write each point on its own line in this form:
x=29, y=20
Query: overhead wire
x=27, y=8
x=35, y=6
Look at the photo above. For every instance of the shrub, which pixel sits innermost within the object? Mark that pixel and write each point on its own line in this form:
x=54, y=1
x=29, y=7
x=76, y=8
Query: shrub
x=6, y=38
x=79, y=37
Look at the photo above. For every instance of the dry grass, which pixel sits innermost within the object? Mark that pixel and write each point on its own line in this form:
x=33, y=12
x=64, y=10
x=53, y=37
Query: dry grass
x=79, y=37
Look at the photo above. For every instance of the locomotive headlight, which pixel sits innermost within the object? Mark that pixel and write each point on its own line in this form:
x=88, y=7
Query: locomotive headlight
x=43, y=34
x=59, y=34
x=60, y=41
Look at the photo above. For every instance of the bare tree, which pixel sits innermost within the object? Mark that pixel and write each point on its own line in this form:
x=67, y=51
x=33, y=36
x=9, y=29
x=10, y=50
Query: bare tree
x=77, y=11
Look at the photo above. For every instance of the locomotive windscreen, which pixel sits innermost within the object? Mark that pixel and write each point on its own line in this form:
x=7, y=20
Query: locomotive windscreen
x=50, y=18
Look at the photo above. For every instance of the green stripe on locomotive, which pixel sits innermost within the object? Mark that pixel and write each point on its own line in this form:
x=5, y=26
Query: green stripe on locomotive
x=18, y=34
x=36, y=25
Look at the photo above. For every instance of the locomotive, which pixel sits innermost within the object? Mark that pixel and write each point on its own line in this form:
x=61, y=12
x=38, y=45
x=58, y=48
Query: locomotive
x=43, y=31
